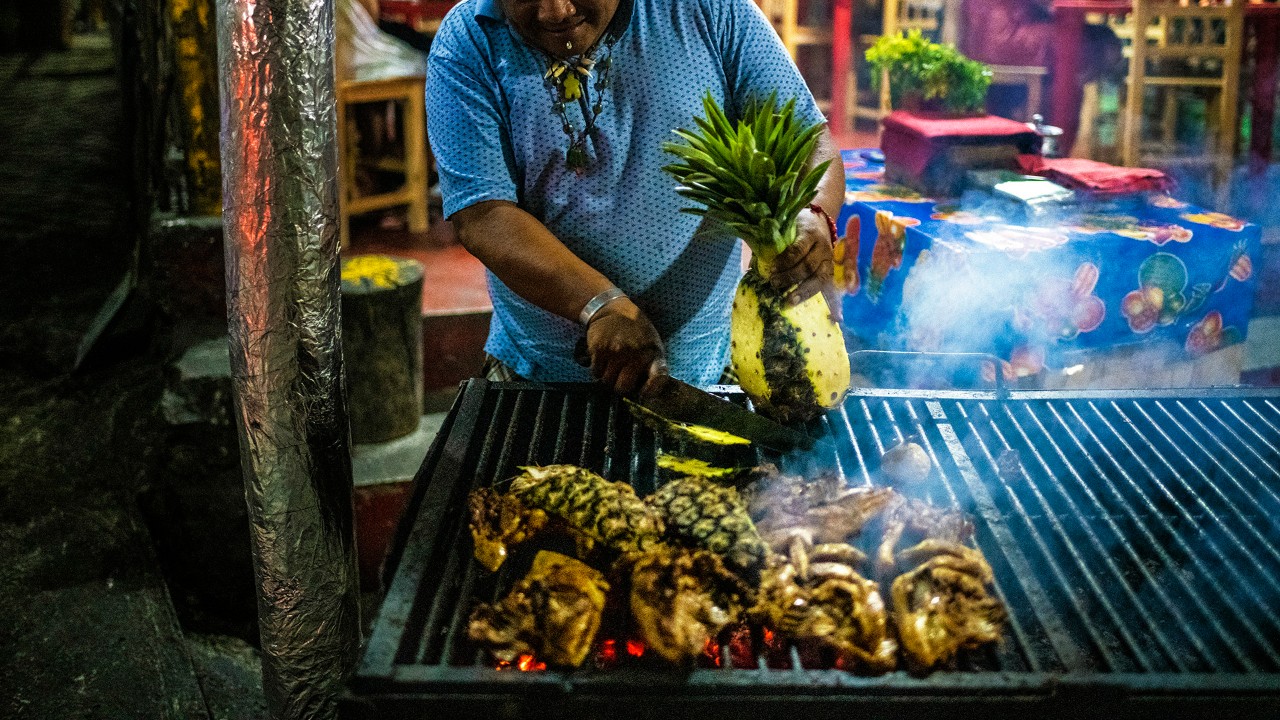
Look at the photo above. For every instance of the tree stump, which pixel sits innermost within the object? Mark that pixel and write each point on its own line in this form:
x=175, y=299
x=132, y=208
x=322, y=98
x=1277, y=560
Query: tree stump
x=382, y=345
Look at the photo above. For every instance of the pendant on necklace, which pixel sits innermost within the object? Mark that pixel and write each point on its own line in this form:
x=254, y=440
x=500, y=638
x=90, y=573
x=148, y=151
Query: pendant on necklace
x=576, y=158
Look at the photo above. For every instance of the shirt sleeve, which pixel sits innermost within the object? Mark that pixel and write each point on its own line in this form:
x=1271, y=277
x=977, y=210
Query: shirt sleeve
x=466, y=127
x=756, y=62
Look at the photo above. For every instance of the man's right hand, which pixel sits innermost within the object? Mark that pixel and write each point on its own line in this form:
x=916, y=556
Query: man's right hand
x=624, y=348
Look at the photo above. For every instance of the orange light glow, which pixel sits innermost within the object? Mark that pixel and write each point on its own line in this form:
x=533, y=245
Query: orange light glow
x=609, y=651
x=711, y=651
x=528, y=663
x=635, y=648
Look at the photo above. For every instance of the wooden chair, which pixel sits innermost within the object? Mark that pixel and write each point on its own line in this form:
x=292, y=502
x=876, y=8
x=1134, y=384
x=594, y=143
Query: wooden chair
x=1197, y=52
x=793, y=21
x=409, y=94
x=1030, y=77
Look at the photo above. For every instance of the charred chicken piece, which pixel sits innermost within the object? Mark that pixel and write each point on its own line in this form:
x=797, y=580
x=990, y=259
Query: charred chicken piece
x=682, y=598
x=778, y=592
x=593, y=510
x=846, y=617
x=918, y=521
x=830, y=560
x=942, y=606
x=841, y=614
x=552, y=613
x=788, y=508
x=499, y=522
x=702, y=514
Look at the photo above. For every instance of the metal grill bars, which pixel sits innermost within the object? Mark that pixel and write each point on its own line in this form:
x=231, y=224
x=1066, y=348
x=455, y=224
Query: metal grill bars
x=1132, y=536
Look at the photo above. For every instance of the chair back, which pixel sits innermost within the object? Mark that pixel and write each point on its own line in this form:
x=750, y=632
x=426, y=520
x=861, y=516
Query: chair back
x=923, y=15
x=1199, y=46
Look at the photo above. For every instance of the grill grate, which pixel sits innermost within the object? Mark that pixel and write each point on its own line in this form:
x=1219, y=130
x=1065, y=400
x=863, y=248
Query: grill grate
x=1134, y=540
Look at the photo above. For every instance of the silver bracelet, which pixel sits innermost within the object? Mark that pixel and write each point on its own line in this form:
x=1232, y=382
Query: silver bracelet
x=597, y=303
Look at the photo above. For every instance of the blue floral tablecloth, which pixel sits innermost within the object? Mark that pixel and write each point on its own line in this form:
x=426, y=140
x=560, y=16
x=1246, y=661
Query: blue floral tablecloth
x=926, y=274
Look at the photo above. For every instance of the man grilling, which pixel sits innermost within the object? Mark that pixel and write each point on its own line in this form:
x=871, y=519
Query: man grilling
x=547, y=118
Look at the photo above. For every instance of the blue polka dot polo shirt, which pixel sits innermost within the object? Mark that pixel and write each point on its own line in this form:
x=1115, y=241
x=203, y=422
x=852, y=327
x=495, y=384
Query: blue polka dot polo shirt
x=496, y=136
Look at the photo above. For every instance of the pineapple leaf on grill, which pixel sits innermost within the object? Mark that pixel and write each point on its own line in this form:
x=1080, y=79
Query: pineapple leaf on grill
x=751, y=176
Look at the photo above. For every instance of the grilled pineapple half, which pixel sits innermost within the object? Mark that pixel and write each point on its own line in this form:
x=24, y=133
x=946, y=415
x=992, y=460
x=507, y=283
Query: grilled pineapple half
x=752, y=176
x=702, y=514
x=595, y=510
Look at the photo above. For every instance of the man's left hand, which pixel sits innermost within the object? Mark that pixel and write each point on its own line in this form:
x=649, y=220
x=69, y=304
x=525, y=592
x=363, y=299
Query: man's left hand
x=807, y=266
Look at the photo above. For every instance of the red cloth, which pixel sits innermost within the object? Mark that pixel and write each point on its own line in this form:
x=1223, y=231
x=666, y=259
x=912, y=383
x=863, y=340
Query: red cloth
x=911, y=140
x=1094, y=176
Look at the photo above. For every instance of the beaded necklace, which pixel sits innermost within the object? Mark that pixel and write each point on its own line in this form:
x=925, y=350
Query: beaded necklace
x=572, y=80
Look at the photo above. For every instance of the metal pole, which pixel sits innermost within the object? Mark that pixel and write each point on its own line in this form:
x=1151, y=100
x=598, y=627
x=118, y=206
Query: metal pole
x=279, y=161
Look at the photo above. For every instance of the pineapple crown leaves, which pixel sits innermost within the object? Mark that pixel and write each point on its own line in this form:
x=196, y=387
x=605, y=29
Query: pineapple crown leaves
x=750, y=175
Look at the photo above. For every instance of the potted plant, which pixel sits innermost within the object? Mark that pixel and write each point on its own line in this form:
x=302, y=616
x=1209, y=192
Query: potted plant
x=927, y=76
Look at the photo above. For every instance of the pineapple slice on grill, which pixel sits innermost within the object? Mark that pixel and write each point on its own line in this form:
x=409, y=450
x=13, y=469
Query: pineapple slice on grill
x=702, y=514
x=752, y=176
x=596, y=511
x=593, y=510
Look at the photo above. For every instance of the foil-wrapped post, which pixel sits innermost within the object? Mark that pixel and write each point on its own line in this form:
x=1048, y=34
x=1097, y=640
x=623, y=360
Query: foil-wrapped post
x=279, y=160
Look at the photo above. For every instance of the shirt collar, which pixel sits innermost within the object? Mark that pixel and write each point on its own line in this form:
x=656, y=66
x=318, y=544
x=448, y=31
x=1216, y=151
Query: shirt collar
x=491, y=9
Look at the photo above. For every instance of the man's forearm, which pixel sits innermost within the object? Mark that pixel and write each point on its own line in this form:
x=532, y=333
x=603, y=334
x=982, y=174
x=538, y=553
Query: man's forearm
x=831, y=187
x=527, y=258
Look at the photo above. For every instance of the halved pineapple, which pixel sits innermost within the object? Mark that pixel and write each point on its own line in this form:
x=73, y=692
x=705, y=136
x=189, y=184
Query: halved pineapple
x=752, y=177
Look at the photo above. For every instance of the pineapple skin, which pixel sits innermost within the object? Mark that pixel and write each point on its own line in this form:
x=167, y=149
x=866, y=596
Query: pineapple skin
x=702, y=514
x=598, y=511
x=790, y=359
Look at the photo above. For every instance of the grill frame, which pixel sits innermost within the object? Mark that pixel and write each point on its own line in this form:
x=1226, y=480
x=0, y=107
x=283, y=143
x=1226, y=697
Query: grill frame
x=1154, y=677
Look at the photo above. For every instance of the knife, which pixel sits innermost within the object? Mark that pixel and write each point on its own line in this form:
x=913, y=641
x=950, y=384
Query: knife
x=681, y=402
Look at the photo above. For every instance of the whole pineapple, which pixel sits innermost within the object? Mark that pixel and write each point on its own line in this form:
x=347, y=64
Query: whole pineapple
x=702, y=514
x=751, y=176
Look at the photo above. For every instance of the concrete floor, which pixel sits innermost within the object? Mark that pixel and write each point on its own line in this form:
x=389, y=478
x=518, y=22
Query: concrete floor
x=90, y=629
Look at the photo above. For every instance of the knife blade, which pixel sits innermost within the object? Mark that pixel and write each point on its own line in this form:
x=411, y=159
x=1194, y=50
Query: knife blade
x=681, y=402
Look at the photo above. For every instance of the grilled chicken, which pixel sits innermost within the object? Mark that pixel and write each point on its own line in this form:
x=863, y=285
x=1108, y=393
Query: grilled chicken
x=918, y=521
x=594, y=511
x=499, y=522
x=702, y=514
x=552, y=613
x=681, y=599
x=839, y=614
x=824, y=510
x=942, y=606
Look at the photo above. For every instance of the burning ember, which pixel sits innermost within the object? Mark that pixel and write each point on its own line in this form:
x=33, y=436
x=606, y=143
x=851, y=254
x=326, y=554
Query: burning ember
x=524, y=663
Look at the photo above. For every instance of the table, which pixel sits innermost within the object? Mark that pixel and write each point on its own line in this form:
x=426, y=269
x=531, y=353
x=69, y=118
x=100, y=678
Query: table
x=934, y=275
x=1069, y=21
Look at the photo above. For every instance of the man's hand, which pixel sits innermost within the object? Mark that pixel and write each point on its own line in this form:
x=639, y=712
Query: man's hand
x=624, y=348
x=808, y=265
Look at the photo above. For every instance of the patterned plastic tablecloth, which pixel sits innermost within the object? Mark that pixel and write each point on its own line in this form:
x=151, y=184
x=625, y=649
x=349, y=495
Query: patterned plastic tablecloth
x=934, y=275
